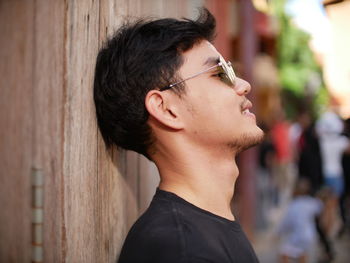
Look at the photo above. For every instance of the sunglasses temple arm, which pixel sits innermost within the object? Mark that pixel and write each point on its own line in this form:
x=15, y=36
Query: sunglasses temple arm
x=191, y=77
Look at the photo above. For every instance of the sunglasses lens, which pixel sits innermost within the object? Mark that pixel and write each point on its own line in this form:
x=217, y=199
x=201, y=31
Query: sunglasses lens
x=229, y=77
x=224, y=77
x=231, y=74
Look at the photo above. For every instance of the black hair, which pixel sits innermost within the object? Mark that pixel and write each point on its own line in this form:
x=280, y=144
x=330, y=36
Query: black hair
x=141, y=56
x=302, y=187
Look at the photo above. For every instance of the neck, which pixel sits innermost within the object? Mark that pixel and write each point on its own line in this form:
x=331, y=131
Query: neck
x=202, y=177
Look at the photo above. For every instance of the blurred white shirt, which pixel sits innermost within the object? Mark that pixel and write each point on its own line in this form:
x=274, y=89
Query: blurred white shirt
x=333, y=144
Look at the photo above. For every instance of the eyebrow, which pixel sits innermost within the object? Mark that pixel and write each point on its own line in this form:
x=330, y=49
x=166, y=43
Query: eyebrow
x=211, y=61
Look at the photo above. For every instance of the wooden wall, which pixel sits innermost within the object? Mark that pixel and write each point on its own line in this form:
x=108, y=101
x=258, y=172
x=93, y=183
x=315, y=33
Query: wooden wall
x=48, y=50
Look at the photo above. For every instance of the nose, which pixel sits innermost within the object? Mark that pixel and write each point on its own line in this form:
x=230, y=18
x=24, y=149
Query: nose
x=242, y=87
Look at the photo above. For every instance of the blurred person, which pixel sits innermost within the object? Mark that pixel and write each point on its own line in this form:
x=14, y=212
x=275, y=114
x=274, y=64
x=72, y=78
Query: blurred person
x=267, y=186
x=310, y=168
x=296, y=129
x=310, y=159
x=297, y=230
x=345, y=197
x=163, y=90
x=305, y=149
x=282, y=168
x=329, y=128
x=326, y=195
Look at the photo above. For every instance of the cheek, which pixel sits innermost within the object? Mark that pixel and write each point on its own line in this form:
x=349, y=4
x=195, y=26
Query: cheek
x=211, y=92
x=215, y=107
x=211, y=103
x=213, y=116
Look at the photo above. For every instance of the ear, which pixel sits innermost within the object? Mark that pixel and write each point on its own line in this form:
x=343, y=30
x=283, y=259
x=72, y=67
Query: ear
x=162, y=107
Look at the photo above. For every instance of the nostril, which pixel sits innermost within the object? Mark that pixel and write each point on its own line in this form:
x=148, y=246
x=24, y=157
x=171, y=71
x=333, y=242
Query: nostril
x=242, y=87
x=247, y=89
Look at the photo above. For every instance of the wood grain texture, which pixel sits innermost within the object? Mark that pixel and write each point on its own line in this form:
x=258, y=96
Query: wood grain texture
x=91, y=196
x=117, y=180
x=16, y=131
x=81, y=217
x=49, y=97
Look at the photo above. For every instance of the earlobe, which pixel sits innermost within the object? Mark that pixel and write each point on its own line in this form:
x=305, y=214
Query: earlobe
x=160, y=107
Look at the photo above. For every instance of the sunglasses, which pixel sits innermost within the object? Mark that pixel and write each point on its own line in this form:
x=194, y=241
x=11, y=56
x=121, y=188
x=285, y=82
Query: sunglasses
x=225, y=72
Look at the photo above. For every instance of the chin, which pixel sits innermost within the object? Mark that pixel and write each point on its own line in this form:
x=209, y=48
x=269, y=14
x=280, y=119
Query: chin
x=247, y=140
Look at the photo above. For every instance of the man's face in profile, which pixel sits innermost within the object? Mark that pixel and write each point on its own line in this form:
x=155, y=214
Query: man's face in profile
x=215, y=114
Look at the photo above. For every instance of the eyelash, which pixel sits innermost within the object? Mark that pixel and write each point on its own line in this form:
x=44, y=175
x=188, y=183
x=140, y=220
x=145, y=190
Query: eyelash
x=219, y=74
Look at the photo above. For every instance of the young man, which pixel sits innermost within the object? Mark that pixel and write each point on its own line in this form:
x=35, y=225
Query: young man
x=163, y=90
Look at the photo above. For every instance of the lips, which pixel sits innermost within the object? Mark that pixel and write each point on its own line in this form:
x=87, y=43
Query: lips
x=245, y=106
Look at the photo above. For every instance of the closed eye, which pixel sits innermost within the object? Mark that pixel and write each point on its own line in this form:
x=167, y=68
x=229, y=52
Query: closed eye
x=219, y=75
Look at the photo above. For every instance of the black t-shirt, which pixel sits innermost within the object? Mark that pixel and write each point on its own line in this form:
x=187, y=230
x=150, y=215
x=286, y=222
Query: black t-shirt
x=173, y=230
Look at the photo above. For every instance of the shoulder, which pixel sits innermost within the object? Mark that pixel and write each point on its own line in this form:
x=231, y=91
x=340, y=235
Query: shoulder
x=155, y=237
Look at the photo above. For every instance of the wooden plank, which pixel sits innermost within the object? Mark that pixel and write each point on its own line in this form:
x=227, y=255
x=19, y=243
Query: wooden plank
x=81, y=201
x=132, y=180
x=48, y=102
x=151, y=8
x=16, y=82
x=112, y=15
x=163, y=8
x=192, y=6
x=91, y=197
x=169, y=8
x=149, y=180
x=117, y=183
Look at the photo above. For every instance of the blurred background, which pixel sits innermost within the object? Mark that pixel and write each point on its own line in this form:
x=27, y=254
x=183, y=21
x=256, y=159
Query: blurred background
x=63, y=198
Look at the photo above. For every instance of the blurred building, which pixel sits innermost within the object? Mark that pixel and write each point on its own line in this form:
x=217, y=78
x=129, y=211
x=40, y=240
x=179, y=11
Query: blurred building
x=336, y=58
